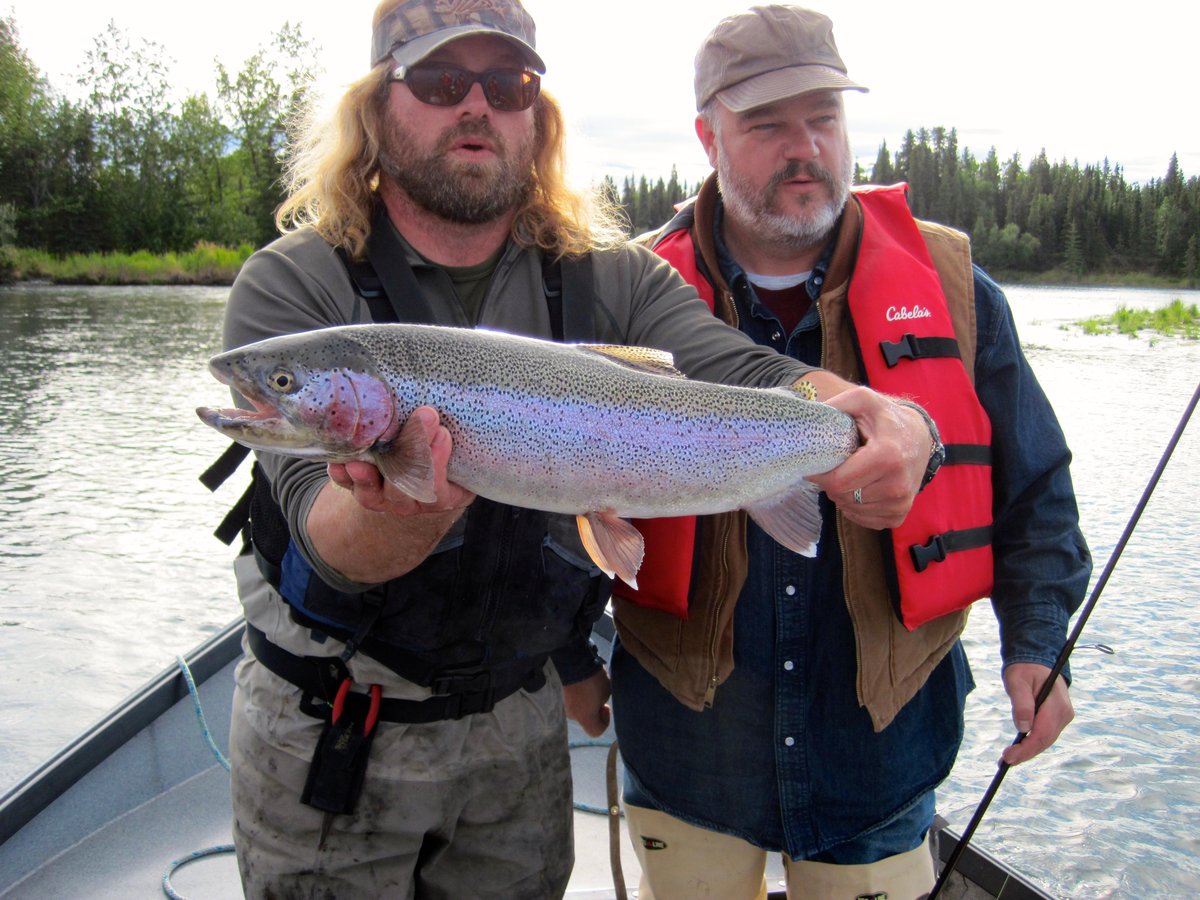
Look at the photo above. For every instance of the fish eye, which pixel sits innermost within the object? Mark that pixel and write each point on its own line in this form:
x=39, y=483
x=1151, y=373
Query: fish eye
x=283, y=381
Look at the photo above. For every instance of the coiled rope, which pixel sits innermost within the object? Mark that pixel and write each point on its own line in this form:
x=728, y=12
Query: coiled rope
x=175, y=865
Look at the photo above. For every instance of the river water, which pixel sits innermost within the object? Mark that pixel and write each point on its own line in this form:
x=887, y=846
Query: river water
x=108, y=567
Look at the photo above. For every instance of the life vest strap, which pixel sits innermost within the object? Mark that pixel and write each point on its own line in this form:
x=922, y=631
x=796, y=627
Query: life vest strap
x=968, y=455
x=942, y=545
x=912, y=347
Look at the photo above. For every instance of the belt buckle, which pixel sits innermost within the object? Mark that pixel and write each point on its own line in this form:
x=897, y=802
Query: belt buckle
x=461, y=705
x=464, y=683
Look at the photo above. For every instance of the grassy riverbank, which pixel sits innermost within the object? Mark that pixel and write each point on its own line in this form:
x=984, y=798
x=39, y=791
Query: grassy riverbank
x=1063, y=278
x=214, y=265
x=204, y=264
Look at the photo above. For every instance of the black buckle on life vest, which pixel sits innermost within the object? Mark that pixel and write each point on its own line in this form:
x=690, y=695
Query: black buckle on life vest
x=942, y=545
x=912, y=347
x=934, y=551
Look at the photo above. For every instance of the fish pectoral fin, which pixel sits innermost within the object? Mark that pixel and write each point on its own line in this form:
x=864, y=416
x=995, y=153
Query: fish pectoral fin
x=642, y=359
x=792, y=518
x=408, y=463
x=614, y=545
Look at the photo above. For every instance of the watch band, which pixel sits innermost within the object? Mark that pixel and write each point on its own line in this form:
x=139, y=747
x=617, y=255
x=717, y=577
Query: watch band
x=937, y=452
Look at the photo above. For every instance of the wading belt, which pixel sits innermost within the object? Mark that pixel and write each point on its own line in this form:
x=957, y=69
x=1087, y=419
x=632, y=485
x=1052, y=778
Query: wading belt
x=455, y=695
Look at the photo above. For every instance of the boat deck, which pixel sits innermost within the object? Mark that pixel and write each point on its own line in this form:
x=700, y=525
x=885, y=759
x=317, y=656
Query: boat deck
x=141, y=790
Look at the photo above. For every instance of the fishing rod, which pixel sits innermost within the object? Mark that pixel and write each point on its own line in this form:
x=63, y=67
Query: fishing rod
x=1064, y=655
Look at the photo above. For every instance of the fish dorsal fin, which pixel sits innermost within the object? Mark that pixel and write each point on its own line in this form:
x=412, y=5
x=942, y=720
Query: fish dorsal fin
x=643, y=359
x=792, y=518
x=614, y=545
x=408, y=464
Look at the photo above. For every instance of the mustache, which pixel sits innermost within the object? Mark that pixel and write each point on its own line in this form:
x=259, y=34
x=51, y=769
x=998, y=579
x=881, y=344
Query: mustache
x=479, y=128
x=796, y=168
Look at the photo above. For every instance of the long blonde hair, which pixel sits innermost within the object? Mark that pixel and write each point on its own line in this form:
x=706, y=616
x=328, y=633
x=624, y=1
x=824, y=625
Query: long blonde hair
x=333, y=170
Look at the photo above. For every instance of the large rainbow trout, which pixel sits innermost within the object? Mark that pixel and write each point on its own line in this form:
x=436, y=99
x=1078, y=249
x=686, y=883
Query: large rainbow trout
x=601, y=432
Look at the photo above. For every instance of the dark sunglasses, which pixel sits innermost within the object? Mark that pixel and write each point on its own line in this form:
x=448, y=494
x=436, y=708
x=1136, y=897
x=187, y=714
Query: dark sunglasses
x=441, y=84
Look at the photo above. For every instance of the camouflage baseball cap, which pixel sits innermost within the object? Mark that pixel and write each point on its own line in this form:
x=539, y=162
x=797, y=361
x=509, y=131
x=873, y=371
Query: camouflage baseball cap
x=412, y=29
x=769, y=53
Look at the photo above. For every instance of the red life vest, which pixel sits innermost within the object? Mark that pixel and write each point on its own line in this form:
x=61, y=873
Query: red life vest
x=940, y=559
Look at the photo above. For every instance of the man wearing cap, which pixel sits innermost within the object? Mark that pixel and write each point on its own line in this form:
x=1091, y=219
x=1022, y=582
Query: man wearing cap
x=398, y=727
x=811, y=706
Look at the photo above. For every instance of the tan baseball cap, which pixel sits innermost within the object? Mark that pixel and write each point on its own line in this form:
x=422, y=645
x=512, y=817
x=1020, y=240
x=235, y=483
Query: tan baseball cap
x=413, y=29
x=769, y=53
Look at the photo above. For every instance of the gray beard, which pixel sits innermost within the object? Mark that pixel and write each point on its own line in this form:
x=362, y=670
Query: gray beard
x=756, y=209
x=465, y=193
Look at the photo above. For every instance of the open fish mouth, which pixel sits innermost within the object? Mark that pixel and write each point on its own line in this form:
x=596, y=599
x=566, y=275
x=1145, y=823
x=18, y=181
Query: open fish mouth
x=263, y=427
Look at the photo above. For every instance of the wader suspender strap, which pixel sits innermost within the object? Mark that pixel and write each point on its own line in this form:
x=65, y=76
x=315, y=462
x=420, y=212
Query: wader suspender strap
x=216, y=475
x=570, y=298
x=394, y=275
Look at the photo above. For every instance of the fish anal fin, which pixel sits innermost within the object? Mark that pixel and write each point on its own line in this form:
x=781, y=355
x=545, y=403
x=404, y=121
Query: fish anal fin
x=792, y=518
x=614, y=545
x=643, y=359
x=408, y=464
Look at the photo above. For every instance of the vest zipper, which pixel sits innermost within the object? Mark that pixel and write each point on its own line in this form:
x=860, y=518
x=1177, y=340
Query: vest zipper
x=732, y=303
x=858, y=661
x=710, y=690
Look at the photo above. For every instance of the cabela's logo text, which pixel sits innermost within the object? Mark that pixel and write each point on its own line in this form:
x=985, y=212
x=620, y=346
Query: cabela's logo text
x=899, y=315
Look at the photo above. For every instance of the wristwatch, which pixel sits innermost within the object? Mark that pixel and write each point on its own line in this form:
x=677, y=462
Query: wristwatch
x=937, y=456
x=937, y=450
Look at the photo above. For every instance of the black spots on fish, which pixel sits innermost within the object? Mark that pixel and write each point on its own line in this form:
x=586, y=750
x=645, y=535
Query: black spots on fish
x=343, y=405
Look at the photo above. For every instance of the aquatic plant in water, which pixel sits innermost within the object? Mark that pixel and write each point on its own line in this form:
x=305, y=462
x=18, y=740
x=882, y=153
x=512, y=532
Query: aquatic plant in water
x=1174, y=319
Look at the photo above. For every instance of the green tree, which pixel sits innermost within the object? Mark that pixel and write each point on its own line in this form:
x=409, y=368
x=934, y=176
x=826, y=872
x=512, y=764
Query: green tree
x=47, y=156
x=201, y=143
x=882, y=172
x=141, y=185
x=259, y=101
x=1073, y=251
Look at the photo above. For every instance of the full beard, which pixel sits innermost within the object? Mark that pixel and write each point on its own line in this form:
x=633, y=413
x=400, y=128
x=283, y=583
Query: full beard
x=759, y=209
x=463, y=192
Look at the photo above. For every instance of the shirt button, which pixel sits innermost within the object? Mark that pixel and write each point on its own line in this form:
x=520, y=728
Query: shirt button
x=790, y=590
x=788, y=665
x=789, y=741
x=777, y=335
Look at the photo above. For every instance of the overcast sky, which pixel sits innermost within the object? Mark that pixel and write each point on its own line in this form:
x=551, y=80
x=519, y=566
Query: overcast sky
x=1080, y=81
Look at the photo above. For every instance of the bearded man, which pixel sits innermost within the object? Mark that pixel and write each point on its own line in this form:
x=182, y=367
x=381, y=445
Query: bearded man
x=399, y=725
x=810, y=707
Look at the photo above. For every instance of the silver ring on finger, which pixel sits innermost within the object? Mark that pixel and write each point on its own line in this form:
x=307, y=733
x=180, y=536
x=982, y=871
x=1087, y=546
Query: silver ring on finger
x=858, y=495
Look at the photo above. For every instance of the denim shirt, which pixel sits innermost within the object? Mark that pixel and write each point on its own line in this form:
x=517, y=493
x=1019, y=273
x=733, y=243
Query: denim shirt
x=786, y=758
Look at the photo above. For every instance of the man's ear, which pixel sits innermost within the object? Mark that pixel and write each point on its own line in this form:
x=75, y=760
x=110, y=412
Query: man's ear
x=708, y=139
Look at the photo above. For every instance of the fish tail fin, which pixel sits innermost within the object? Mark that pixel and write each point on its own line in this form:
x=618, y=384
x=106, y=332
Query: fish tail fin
x=792, y=518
